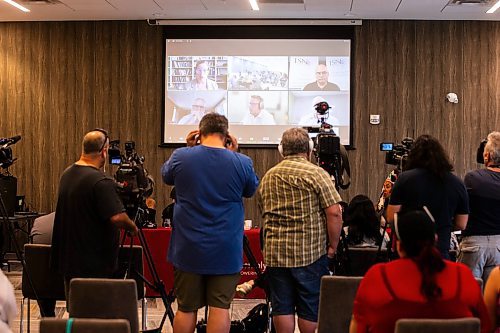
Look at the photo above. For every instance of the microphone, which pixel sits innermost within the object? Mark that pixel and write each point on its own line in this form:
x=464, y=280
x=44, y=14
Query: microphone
x=9, y=141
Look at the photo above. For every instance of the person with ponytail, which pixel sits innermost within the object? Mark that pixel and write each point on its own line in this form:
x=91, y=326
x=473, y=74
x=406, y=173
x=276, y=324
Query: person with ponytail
x=418, y=285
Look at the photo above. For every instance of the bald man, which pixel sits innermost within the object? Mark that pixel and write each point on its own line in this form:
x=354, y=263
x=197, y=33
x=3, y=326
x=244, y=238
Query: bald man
x=321, y=83
x=89, y=212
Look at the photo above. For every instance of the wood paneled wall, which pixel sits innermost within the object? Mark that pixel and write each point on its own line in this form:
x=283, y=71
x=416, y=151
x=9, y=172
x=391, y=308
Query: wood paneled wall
x=61, y=79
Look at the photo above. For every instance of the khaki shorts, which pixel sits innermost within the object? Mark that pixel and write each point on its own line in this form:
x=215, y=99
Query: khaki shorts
x=194, y=291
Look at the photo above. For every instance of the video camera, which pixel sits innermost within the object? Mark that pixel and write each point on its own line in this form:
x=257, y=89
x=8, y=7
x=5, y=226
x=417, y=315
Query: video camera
x=6, y=159
x=480, y=151
x=134, y=183
x=329, y=153
x=397, y=154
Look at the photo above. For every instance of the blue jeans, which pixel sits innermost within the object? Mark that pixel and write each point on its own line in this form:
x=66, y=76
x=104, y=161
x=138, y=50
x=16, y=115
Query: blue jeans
x=296, y=289
x=481, y=254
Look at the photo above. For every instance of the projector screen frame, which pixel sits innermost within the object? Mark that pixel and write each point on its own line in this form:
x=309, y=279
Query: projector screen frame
x=260, y=32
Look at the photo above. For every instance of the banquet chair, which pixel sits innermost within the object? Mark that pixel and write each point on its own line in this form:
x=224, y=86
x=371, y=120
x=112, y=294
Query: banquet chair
x=362, y=258
x=105, y=299
x=52, y=325
x=46, y=283
x=462, y=325
x=336, y=300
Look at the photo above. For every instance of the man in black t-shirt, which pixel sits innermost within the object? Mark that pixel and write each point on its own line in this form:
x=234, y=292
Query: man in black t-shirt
x=479, y=248
x=85, y=240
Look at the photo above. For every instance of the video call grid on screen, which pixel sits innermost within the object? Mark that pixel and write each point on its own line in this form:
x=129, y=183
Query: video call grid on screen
x=262, y=86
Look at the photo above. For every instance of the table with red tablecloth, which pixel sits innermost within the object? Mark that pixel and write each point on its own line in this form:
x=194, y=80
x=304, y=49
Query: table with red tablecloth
x=158, y=240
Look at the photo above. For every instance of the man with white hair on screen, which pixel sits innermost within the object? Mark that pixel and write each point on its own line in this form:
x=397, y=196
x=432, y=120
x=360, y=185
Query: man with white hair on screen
x=198, y=110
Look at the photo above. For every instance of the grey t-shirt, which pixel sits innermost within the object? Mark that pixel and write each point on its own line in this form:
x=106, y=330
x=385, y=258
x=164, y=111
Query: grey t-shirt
x=41, y=233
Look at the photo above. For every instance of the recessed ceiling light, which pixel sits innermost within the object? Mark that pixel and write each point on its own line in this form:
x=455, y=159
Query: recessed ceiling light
x=494, y=8
x=18, y=6
x=254, y=4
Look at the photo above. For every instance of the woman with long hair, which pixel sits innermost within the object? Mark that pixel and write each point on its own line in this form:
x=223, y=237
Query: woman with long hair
x=363, y=223
x=428, y=181
x=419, y=285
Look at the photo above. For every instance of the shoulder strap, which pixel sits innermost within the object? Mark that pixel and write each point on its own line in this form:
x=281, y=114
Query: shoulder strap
x=345, y=167
x=459, y=284
x=387, y=282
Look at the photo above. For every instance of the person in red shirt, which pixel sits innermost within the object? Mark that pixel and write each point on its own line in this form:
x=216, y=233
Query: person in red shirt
x=492, y=298
x=419, y=285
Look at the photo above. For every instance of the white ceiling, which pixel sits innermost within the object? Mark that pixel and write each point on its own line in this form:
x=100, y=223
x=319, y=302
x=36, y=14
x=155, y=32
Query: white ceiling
x=73, y=10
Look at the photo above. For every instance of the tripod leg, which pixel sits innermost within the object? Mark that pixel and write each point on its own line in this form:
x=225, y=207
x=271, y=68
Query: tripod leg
x=157, y=283
x=144, y=313
x=21, y=316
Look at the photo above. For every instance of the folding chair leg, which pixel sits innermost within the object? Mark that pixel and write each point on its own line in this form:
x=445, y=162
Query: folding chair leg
x=21, y=316
x=28, y=315
x=144, y=313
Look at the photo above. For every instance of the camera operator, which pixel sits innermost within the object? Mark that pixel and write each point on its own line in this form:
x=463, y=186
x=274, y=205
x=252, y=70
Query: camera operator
x=302, y=223
x=479, y=247
x=428, y=181
x=206, y=247
x=85, y=240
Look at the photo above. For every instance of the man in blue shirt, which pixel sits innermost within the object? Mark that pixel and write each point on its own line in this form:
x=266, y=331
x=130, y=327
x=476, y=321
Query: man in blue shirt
x=206, y=247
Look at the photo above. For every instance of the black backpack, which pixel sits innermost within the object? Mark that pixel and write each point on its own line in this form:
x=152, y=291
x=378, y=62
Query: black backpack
x=257, y=319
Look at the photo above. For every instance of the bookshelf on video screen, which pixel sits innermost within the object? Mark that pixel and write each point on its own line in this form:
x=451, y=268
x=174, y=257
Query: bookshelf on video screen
x=263, y=86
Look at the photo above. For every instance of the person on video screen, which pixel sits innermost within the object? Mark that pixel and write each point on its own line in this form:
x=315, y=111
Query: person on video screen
x=313, y=119
x=201, y=80
x=257, y=114
x=321, y=83
x=198, y=110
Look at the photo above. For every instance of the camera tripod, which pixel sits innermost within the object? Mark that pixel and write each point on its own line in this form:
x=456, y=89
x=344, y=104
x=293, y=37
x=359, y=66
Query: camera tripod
x=156, y=284
x=10, y=229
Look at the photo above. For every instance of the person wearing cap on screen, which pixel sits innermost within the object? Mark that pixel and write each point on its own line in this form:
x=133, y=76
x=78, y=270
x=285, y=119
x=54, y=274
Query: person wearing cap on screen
x=312, y=119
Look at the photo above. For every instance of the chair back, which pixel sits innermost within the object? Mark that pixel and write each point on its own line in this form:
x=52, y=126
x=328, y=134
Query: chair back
x=462, y=325
x=47, y=284
x=51, y=325
x=336, y=302
x=133, y=255
x=362, y=258
x=104, y=298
